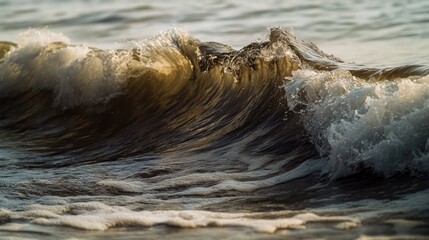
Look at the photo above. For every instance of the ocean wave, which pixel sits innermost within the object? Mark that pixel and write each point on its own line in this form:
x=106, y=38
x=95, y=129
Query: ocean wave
x=176, y=93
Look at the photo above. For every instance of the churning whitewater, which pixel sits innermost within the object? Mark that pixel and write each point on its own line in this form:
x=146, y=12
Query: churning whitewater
x=179, y=132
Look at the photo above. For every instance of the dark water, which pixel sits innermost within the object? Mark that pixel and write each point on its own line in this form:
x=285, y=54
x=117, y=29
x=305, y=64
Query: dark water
x=213, y=134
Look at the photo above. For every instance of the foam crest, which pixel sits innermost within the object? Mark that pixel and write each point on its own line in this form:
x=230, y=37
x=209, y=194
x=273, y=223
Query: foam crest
x=40, y=37
x=97, y=216
x=75, y=74
x=358, y=124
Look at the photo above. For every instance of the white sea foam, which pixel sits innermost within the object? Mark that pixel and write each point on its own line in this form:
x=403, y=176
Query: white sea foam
x=76, y=74
x=359, y=124
x=100, y=217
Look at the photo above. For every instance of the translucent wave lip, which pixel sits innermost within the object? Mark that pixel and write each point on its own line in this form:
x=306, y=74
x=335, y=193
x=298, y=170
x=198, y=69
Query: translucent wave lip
x=80, y=75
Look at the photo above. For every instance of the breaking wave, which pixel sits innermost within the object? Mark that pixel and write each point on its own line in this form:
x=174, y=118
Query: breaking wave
x=179, y=132
x=174, y=93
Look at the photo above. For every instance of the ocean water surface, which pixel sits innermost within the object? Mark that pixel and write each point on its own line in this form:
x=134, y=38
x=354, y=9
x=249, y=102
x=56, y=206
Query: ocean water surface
x=214, y=119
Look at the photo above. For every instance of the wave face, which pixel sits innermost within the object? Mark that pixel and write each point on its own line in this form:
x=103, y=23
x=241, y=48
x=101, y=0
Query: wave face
x=169, y=93
x=173, y=123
